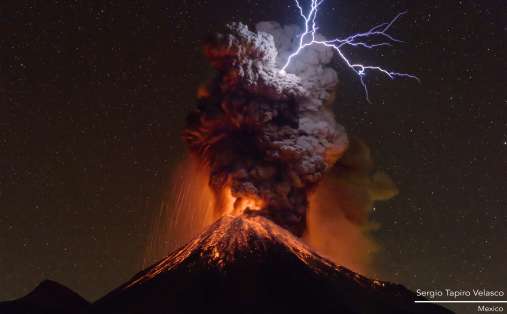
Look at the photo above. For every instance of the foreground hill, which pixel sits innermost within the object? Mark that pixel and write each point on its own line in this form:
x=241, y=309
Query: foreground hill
x=48, y=297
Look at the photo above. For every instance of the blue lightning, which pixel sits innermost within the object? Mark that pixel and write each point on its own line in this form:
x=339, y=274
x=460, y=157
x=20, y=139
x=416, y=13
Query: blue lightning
x=307, y=38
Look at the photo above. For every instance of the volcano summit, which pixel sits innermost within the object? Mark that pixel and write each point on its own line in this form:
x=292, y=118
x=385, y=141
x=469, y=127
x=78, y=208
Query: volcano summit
x=248, y=264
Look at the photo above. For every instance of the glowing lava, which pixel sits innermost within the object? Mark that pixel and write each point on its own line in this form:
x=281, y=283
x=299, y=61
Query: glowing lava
x=190, y=206
x=237, y=205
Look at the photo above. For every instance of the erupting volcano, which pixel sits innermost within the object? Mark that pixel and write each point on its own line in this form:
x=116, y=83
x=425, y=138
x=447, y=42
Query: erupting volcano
x=248, y=264
x=268, y=146
x=275, y=163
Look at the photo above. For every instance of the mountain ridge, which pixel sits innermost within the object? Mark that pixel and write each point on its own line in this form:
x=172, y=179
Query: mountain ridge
x=49, y=297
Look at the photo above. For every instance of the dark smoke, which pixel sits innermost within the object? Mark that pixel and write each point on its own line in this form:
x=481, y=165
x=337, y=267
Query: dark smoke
x=266, y=136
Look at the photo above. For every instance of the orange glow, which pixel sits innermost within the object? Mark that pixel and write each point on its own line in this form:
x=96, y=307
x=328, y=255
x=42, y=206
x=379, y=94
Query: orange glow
x=226, y=239
x=333, y=235
x=190, y=207
x=237, y=205
x=202, y=92
x=187, y=209
x=337, y=219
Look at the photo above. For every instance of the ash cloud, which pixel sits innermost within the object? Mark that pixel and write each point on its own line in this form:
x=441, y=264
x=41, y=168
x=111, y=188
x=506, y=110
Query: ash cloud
x=338, y=222
x=265, y=135
x=311, y=65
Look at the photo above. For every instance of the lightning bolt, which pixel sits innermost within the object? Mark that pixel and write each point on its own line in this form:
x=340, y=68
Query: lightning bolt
x=364, y=40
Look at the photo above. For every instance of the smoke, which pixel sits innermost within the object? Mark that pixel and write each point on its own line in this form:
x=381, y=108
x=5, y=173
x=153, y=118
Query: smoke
x=267, y=141
x=338, y=220
x=312, y=65
x=267, y=137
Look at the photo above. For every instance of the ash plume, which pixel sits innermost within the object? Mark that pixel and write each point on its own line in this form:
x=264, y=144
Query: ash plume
x=268, y=137
x=339, y=224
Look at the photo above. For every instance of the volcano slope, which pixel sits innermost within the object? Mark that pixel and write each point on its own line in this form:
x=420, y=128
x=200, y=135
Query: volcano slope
x=248, y=264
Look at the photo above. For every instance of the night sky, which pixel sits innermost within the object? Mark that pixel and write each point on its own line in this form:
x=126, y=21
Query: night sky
x=93, y=98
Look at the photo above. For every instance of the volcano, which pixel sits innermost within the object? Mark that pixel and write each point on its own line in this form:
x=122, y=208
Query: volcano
x=48, y=297
x=248, y=264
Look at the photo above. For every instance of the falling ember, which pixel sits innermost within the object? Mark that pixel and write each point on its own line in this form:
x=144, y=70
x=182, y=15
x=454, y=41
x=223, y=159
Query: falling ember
x=187, y=210
x=189, y=207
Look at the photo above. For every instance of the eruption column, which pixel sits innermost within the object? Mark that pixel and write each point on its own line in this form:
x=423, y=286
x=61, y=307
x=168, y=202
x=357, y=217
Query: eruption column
x=263, y=125
x=267, y=137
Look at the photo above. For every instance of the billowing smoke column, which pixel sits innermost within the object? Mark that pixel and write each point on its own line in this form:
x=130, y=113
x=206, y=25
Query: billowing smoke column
x=267, y=137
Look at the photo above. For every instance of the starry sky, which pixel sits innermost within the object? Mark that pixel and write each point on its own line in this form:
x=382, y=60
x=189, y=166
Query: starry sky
x=93, y=98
